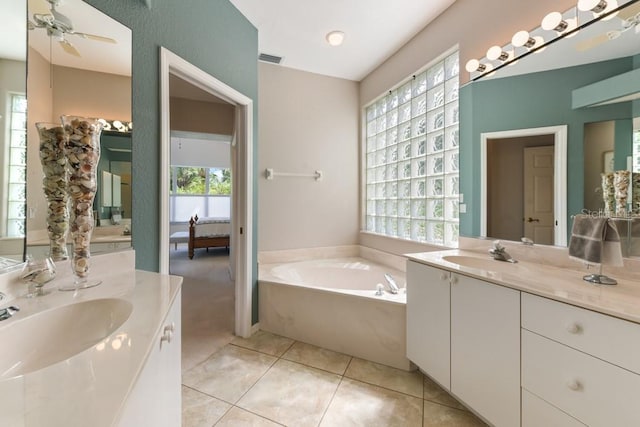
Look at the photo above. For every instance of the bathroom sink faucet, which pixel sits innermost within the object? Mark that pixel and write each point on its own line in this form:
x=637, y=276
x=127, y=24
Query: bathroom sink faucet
x=499, y=253
x=393, y=287
x=7, y=312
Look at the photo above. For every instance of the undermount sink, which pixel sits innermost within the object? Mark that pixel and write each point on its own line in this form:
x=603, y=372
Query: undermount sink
x=54, y=335
x=487, y=264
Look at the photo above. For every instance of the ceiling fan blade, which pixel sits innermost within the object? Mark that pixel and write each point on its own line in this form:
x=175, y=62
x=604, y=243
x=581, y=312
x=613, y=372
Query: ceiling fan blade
x=69, y=48
x=94, y=37
x=592, y=42
x=41, y=7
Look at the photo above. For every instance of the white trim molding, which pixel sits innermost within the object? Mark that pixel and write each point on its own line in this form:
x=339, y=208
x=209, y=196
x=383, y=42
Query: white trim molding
x=559, y=177
x=242, y=168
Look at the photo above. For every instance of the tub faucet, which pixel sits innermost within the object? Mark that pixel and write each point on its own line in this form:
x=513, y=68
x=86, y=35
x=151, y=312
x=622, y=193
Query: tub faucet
x=499, y=253
x=393, y=287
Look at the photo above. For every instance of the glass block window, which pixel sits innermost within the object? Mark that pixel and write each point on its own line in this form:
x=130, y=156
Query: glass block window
x=17, y=167
x=412, y=158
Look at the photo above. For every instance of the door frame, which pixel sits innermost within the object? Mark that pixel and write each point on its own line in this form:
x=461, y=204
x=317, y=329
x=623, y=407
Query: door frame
x=559, y=180
x=242, y=207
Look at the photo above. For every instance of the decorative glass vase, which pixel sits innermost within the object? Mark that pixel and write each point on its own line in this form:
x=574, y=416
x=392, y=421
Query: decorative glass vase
x=54, y=183
x=37, y=272
x=608, y=194
x=621, y=182
x=82, y=150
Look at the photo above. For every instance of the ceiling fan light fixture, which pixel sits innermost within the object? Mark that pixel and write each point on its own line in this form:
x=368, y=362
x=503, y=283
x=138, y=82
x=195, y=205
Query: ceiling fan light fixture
x=335, y=38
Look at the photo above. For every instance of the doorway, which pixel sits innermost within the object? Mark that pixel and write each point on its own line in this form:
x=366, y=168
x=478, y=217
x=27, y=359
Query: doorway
x=505, y=195
x=241, y=234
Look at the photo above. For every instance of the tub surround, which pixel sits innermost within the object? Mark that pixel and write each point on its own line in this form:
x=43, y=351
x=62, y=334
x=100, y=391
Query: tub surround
x=352, y=321
x=92, y=387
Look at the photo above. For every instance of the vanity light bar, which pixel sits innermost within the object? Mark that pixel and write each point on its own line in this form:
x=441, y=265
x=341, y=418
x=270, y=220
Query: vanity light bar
x=523, y=42
x=116, y=125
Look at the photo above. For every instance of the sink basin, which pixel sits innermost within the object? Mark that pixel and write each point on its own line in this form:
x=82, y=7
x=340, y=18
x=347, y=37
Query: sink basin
x=54, y=335
x=487, y=264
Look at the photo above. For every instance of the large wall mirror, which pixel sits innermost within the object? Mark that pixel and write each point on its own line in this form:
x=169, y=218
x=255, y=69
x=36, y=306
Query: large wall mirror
x=78, y=62
x=589, y=83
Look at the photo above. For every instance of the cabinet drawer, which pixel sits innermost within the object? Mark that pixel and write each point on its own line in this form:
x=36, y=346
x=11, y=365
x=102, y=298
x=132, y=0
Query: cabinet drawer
x=595, y=392
x=538, y=413
x=606, y=337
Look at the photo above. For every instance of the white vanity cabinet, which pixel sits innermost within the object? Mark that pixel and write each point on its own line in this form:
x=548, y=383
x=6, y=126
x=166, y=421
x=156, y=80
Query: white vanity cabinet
x=428, y=321
x=584, y=364
x=156, y=397
x=465, y=333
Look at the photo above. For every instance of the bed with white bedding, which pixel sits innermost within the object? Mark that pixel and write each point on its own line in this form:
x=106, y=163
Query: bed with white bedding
x=208, y=232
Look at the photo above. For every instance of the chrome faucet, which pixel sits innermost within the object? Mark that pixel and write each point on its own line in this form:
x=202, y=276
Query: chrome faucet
x=7, y=312
x=499, y=253
x=526, y=241
x=393, y=287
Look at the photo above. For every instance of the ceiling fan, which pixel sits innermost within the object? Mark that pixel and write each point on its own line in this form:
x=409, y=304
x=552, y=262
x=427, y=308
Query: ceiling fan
x=59, y=26
x=628, y=17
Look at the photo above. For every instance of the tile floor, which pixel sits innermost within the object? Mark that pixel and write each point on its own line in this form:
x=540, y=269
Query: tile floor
x=268, y=380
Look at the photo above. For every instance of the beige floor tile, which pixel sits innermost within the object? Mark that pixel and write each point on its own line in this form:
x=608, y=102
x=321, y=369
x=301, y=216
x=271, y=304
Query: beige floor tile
x=291, y=394
x=229, y=373
x=437, y=394
x=360, y=404
x=238, y=417
x=384, y=376
x=318, y=357
x=265, y=342
x=440, y=416
x=200, y=410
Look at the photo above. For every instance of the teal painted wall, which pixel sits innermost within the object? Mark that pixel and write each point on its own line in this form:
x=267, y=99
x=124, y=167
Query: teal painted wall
x=530, y=101
x=214, y=36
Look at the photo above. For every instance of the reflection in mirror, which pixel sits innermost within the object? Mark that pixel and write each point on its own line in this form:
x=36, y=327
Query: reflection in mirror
x=83, y=71
x=587, y=82
x=13, y=52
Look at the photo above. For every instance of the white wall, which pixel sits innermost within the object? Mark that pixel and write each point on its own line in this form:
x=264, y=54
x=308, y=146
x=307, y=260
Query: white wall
x=307, y=122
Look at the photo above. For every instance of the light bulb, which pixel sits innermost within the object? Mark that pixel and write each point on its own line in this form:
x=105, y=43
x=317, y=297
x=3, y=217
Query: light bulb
x=496, y=53
x=522, y=38
x=475, y=65
x=553, y=21
x=595, y=6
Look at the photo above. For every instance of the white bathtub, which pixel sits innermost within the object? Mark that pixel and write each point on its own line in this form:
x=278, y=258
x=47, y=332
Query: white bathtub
x=332, y=303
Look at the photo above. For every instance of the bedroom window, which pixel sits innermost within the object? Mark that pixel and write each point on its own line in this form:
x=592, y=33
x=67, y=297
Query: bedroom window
x=16, y=167
x=412, y=162
x=202, y=191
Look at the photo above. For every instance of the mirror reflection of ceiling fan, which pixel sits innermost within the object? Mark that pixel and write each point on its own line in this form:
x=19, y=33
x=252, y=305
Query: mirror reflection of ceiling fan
x=59, y=26
x=627, y=19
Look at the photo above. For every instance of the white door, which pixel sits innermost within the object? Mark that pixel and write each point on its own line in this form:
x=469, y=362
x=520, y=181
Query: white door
x=538, y=194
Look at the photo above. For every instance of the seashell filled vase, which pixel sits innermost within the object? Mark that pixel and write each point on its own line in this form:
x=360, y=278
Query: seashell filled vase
x=621, y=182
x=82, y=150
x=54, y=165
x=608, y=194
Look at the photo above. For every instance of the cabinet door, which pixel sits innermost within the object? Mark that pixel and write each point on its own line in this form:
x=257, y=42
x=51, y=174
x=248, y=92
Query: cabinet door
x=428, y=320
x=156, y=397
x=485, y=349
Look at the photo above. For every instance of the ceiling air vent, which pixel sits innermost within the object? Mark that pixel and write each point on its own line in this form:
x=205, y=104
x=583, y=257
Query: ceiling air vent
x=270, y=58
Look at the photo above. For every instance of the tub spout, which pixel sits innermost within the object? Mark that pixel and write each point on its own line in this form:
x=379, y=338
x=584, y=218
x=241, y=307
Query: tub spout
x=393, y=287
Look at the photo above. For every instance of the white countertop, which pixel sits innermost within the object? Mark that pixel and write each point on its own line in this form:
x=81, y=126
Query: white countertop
x=560, y=283
x=90, y=388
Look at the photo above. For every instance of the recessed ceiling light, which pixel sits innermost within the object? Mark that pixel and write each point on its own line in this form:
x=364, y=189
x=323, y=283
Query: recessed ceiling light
x=335, y=38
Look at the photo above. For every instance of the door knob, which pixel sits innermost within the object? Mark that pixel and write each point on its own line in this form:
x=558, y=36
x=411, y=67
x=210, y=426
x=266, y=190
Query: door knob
x=533, y=220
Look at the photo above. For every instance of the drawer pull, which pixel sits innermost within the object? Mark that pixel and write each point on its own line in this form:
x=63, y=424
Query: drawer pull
x=444, y=276
x=574, y=328
x=167, y=333
x=574, y=385
x=454, y=279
